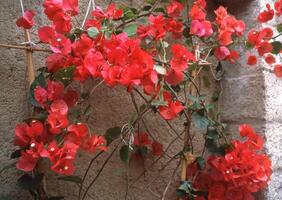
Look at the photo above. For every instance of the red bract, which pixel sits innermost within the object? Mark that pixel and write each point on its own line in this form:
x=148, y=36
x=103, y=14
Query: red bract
x=269, y=59
x=278, y=7
x=174, y=77
x=142, y=139
x=59, y=106
x=71, y=97
x=62, y=160
x=181, y=56
x=26, y=21
x=46, y=34
x=240, y=172
x=95, y=142
x=252, y=60
x=55, y=90
x=174, y=9
x=264, y=47
x=221, y=53
x=197, y=11
x=111, y=13
x=175, y=27
x=25, y=133
x=172, y=110
x=29, y=157
x=57, y=122
x=157, y=148
x=76, y=133
x=266, y=15
x=201, y=28
x=71, y=6
x=278, y=70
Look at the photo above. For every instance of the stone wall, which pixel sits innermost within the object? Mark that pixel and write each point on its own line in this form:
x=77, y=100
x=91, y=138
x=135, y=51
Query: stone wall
x=246, y=98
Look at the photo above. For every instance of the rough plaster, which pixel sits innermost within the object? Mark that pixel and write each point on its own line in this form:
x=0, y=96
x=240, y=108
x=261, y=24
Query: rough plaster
x=244, y=99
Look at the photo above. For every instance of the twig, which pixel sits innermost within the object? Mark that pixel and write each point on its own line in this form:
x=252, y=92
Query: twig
x=10, y=46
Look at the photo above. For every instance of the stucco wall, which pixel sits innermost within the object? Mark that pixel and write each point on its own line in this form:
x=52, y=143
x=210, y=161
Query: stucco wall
x=243, y=100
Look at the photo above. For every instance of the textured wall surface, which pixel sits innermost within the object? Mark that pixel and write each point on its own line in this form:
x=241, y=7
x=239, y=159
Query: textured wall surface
x=246, y=97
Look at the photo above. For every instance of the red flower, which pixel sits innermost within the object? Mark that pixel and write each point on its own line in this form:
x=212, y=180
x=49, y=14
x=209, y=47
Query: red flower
x=55, y=90
x=225, y=38
x=71, y=6
x=76, y=132
x=40, y=95
x=174, y=9
x=278, y=7
x=52, y=7
x=46, y=34
x=57, y=122
x=29, y=157
x=26, y=21
x=95, y=142
x=82, y=46
x=264, y=47
x=62, y=160
x=71, y=97
x=266, y=15
x=278, y=70
x=57, y=61
x=175, y=27
x=269, y=59
x=62, y=23
x=142, y=139
x=252, y=60
x=60, y=44
x=157, y=148
x=221, y=53
x=181, y=56
x=197, y=13
x=174, y=77
x=25, y=133
x=234, y=55
x=59, y=106
x=171, y=111
x=201, y=29
x=111, y=12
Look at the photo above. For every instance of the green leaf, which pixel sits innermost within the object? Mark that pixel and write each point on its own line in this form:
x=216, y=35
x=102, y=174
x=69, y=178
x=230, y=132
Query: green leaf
x=112, y=134
x=130, y=30
x=28, y=182
x=184, y=188
x=277, y=47
x=124, y=154
x=38, y=81
x=73, y=179
x=160, y=69
x=201, y=162
x=279, y=28
x=201, y=122
x=92, y=32
x=214, y=148
x=65, y=75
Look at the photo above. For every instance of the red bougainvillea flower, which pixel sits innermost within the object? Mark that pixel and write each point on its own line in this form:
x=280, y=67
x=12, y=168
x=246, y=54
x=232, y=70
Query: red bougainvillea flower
x=26, y=21
x=70, y=6
x=157, y=148
x=57, y=122
x=59, y=106
x=174, y=9
x=180, y=57
x=266, y=15
x=62, y=160
x=71, y=97
x=55, y=90
x=111, y=13
x=25, y=133
x=46, y=34
x=225, y=38
x=264, y=47
x=30, y=156
x=95, y=142
x=175, y=27
x=221, y=52
x=174, y=77
x=172, y=109
x=142, y=139
x=76, y=133
x=278, y=7
x=252, y=60
x=278, y=70
x=201, y=28
x=269, y=59
x=234, y=55
x=197, y=11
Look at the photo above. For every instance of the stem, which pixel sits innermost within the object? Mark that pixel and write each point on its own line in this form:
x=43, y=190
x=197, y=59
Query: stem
x=100, y=171
x=10, y=46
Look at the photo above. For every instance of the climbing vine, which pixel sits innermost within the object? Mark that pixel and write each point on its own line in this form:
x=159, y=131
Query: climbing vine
x=157, y=53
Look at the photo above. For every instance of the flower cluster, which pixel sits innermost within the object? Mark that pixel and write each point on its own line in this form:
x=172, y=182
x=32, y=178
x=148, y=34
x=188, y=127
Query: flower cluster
x=242, y=171
x=264, y=41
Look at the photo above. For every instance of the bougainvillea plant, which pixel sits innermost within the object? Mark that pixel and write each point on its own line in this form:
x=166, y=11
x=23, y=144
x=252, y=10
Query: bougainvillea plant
x=156, y=52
